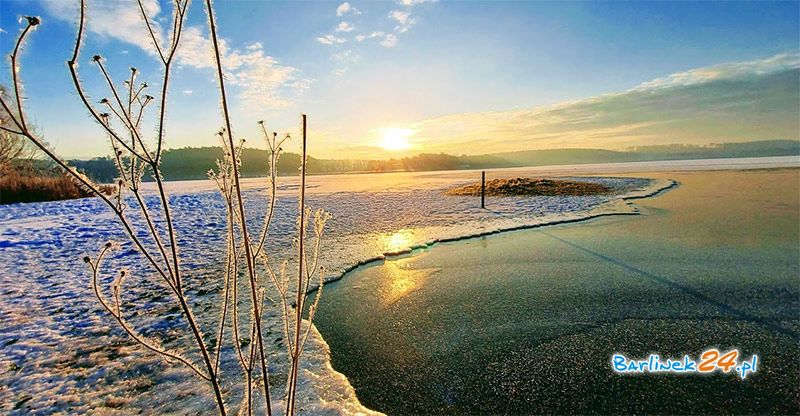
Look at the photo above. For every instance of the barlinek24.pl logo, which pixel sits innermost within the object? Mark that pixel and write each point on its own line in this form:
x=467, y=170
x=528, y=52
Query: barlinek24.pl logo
x=711, y=360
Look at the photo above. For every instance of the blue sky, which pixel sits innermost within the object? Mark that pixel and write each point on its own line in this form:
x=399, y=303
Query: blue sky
x=457, y=77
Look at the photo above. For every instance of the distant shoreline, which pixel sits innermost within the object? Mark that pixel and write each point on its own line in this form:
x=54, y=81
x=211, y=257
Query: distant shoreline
x=194, y=163
x=770, y=162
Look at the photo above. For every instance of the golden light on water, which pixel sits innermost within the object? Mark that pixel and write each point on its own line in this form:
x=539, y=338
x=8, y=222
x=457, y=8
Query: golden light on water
x=393, y=138
x=398, y=241
x=400, y=282
x=402, y=278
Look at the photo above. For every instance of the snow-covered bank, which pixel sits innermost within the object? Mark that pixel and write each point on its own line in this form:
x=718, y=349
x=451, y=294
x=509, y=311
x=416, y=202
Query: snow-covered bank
x=62, y=354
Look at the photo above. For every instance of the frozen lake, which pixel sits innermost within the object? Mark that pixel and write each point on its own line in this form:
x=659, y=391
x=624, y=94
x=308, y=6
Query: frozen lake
x=60, y=353
x=526, y=322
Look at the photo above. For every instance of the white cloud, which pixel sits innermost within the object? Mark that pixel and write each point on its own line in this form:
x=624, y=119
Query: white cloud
x=404, y=20
x=330, y=40
x=389, y=41
x=345, y=56
x=401, y=17
x=187, y=92
x=386, y=39
x=345, y=8
x=732, y=102
x=729, y=70
x=2, y=30
x=254, y=46
x=344, y=27
x=113, y=20
x=262, y=80
x=410, y=3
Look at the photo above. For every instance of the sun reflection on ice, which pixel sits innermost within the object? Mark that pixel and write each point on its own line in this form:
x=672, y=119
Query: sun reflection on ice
x=398, y=242
x=399, y=283
x=400, y=277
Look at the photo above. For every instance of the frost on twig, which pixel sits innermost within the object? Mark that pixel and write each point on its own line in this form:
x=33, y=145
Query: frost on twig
x=250, y=280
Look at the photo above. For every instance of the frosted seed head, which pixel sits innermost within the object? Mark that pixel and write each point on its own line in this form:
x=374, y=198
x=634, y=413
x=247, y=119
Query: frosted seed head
x=33, y=20
x=86, y=259
x=97, y=58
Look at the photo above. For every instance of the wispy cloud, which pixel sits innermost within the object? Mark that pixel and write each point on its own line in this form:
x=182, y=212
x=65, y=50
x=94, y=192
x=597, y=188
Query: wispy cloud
x=331, y=40
x=731, y=70
x=255, y=46
x=400, y=16
x=344, y=27
x=345, y=56
x=751, y=100
x=404, y=20
x=263, y=82
x=117, y=20
x=346, y=8
x=389, y=41
x=415, y=2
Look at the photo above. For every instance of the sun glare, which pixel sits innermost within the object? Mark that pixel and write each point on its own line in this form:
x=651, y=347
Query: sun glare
x=395, y=138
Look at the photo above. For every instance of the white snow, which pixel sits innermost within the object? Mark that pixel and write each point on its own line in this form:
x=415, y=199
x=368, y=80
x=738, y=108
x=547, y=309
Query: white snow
x=59, y=353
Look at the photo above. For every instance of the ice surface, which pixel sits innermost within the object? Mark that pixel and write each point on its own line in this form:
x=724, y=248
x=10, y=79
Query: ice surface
x=60, y=352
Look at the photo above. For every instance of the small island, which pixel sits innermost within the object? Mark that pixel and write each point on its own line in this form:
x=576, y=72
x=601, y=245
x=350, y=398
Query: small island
x=532, y=186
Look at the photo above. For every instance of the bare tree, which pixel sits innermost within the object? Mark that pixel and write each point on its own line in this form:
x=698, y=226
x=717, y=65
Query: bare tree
x=13, y=147
x=119, y=115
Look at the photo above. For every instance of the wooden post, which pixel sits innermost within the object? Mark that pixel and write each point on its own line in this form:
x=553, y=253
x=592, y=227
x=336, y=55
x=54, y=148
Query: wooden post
x=483, y=189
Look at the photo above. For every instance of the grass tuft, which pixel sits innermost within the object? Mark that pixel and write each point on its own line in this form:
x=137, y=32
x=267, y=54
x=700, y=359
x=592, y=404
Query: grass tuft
x=532, y=186
x=18, y=187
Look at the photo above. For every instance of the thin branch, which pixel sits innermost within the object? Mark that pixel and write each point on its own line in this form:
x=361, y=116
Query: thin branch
x=290, y=406
x=150, y=31
x=127, y=119
x=32, y=21
x=150, y=345
x=237, y=187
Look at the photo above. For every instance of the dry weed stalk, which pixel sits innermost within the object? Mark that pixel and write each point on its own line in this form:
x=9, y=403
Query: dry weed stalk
x=123, y=112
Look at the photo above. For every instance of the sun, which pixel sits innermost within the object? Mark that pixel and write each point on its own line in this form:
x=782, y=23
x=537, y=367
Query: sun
x=394, y=138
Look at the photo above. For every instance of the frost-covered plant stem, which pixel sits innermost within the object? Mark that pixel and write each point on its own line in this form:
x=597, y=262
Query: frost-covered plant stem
x=160, y=246
x=171, y=276
x=249, y=258
x=292, y=385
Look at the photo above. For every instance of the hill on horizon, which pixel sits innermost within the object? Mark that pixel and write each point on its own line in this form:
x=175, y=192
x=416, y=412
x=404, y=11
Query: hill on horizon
x=194, y=162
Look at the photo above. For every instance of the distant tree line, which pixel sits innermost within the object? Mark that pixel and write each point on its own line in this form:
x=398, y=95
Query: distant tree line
x=195, y=162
